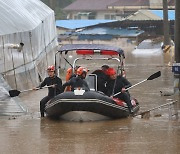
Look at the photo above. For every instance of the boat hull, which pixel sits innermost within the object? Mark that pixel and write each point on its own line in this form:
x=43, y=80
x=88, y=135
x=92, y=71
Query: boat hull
x=81, y=116
x=90, y=102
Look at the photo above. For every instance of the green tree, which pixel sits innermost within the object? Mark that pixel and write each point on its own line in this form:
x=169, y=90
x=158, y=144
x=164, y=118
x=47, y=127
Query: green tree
x=57, y=6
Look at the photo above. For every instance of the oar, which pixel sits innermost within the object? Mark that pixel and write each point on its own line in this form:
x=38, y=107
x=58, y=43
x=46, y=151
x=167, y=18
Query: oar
x=146, y=114
x=14, y=93
x=153, y=76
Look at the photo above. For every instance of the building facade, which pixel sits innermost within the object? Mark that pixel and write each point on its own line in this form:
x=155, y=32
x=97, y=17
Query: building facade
x=111, y=9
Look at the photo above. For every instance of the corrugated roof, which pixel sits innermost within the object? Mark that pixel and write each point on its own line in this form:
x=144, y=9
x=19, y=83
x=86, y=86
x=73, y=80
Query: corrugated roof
x=75, y=24
x=95, y=37
x=20, y=16
x=88, y=5
x=112, y=31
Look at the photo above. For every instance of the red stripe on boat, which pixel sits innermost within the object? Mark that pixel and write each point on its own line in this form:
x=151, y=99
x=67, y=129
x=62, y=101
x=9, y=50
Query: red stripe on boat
x=119, y=102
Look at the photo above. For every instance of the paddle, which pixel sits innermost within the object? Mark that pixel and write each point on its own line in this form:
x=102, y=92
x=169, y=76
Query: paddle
x=146, y=114
x=14, y=93
x=153, y=76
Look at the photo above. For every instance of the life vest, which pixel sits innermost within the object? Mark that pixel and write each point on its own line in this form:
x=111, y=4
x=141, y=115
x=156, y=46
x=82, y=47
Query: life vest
x=68, y=76
x=69, y=73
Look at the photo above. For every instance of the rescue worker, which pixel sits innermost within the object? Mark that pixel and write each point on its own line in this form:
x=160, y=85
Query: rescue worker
x=54, y=90
x=75, y=72
x=116, y=84
x=104, y=68
x=70, y=73
x=101, y=78
x=78, y=81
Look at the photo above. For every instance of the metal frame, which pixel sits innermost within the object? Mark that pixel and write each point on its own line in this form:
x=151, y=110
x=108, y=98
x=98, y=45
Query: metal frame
x=119, y=59
x=85, y=58
x=95, y=77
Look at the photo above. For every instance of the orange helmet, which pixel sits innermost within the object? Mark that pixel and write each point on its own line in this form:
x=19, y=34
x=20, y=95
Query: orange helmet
x=51, y=68
x=82, y=70
x=110, y=71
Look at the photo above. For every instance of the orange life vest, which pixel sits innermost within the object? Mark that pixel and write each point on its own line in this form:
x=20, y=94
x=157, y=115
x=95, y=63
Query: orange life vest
x=68, y=75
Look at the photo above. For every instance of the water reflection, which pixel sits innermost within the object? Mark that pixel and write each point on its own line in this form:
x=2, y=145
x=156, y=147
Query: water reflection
x=93, y=137
x=117, y=136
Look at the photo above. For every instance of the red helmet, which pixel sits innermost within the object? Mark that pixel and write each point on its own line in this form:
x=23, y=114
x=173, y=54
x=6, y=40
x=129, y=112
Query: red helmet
x=82, y=70
x=110, y=71
x=51, y=68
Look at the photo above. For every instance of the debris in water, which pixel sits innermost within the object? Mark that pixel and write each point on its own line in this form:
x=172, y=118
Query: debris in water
x=166, y=93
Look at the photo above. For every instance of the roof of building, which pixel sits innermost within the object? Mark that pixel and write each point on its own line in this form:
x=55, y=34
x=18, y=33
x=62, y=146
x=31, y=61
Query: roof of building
x=112, y=31
x=131, y=3
x=85, y=5
x=141, y=3
x=20, y=16
x=75, y=24
x=151, y=15
x=90, y=5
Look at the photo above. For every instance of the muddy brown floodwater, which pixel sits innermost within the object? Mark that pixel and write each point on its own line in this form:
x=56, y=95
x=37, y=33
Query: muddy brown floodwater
x=29, y=134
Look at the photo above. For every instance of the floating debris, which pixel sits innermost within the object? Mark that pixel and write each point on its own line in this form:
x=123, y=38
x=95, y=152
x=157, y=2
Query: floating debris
x=166, y=93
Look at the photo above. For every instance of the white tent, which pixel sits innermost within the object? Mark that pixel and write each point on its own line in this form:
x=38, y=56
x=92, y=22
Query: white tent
x=30, y=23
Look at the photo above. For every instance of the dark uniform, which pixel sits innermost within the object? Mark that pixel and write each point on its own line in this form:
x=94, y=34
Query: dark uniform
x=101, y=80
x=76, y=82
x=120, y=83
x=72, y=76
x=51, y=91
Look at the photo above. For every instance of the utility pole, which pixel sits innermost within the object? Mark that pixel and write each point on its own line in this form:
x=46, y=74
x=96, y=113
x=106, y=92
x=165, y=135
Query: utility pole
x=177, y=31
x=176, y=65
x=166, y=23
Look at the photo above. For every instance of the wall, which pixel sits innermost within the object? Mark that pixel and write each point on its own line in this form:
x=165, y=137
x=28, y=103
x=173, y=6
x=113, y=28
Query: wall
x=99, y=14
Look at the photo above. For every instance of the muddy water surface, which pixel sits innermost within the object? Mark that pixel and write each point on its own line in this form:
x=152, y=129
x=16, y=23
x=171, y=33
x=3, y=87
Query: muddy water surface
x=30, y=134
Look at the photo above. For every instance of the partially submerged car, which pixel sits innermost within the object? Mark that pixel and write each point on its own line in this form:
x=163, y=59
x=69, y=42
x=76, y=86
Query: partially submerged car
x=148, y=48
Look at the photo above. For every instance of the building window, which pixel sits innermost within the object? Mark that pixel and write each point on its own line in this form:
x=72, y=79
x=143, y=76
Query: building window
x=113, y=17
x=110, y=17
x=107, y=16
x=92, y=15
x=77, y=17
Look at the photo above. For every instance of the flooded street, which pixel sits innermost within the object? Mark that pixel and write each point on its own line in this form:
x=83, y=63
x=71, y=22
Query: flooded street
x=29, y=134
